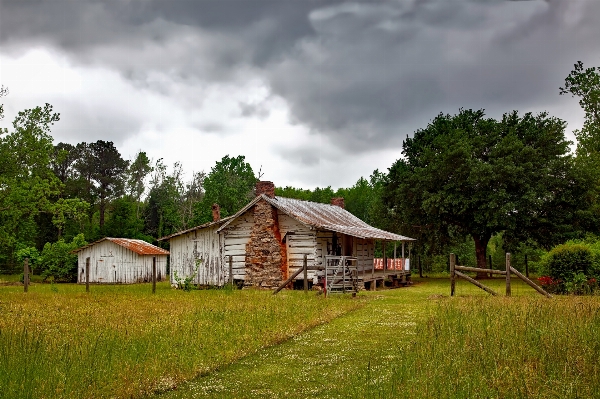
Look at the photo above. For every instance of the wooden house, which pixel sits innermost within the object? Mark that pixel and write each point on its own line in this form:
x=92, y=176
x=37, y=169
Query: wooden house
x=267, y=241
x=121, y=260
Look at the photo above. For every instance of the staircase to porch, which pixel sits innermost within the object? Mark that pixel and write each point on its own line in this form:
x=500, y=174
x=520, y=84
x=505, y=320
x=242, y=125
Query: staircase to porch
x=341, y=274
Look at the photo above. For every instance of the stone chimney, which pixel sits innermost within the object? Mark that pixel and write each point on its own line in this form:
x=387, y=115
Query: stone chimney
x=216, y=210
x=338, y=201
x=265, y=187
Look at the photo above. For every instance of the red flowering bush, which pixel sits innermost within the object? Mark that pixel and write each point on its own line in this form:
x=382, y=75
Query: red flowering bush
x=551, y=285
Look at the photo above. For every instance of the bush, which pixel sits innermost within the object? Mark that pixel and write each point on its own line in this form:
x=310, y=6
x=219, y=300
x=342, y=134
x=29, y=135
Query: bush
x=565, y=261
x=573, y=268
x=57, y=261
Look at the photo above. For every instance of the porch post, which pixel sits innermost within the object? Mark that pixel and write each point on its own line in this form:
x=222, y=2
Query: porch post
x=384, y=258
x=395, y=268
x=403, y=260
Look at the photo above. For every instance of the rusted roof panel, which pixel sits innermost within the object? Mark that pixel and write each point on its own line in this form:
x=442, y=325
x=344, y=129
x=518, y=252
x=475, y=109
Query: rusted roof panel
x=324, y=217
x=331, y=217
x=140, y=247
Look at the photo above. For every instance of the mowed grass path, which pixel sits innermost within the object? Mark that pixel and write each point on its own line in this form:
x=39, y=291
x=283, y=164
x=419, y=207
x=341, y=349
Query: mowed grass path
x=418, y=342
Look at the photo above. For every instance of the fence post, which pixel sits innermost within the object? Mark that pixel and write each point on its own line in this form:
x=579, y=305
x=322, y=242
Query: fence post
x=305, y=265
x=154, y=274
x=526, y=267
x=490, y=258
x=87, y=274
x=508, y=293
x=231, y=270
x=420, y=268
x=452, y=275
x=26, y=275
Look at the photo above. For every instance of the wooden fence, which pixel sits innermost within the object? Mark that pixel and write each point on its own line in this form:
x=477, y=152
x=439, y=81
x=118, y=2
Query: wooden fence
x=456, y=271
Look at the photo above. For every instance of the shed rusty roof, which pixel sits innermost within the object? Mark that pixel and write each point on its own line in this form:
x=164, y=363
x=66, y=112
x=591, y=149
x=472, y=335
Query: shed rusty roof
x=140, y=247
x=324, y=217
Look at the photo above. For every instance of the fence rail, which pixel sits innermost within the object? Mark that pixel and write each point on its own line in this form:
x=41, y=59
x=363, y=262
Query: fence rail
x=455, y=271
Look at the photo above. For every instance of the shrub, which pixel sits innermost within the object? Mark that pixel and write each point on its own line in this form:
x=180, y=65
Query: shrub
x=572, y=268
x=58, y=262
x=565, y=261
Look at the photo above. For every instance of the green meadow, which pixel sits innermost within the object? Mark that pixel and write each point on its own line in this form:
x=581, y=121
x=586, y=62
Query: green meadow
x=122, y=341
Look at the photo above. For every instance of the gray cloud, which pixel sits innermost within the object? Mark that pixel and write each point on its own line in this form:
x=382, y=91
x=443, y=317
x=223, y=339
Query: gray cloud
x=363, y=74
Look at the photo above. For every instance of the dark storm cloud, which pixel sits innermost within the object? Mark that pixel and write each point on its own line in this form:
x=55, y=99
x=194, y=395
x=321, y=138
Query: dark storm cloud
x=377, y=72
x=363, y=74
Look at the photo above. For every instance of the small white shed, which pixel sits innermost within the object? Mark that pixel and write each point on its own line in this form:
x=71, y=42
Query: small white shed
x=121, y=261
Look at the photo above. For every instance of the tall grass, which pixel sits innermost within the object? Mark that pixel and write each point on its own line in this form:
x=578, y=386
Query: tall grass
x=122, y=341
x=525, y=347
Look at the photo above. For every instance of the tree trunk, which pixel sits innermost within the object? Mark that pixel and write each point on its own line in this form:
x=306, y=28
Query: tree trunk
x=102, y=209
x=481, y=243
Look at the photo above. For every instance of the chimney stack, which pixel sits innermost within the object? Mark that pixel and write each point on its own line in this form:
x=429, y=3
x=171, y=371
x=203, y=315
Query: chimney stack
x=265, y=187
x=338, y=201
x=216, y=211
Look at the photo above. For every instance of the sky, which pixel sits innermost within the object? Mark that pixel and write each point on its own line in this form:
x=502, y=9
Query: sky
x=311, y=92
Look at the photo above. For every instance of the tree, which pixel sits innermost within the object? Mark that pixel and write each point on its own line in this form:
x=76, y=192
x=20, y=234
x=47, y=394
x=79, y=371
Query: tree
x=63, y=161
x=585, y=84
x=27, y=184
x=138, y=171
x=109, y=171
x=230, y=184
x=468, y=175
x=162, y=213
x=3, y=92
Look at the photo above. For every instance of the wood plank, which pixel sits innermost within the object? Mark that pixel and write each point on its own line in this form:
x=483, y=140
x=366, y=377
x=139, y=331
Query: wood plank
x=235, y=248
x=236, y=241
x=530, y=283
x=477, y=283
x=478, y=270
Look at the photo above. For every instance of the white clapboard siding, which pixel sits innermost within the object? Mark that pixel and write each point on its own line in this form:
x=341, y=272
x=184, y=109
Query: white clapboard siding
x=113, y=264
x=300, y=240
x=236, y=237
x=199, y=249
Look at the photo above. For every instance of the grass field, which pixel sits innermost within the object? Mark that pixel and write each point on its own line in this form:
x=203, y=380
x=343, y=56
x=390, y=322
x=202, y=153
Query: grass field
x=121, y=341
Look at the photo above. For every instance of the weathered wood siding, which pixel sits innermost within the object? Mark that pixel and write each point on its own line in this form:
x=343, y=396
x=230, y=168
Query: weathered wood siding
x=300, y=240
x=202, y=249
x=236, y=237
x=114, y=264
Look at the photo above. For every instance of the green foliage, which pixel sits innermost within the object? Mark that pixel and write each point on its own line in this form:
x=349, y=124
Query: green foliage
x=58, y=261
x=467, y=175
x=230, y=184
x=27, y=184
x=163, y=214
x=585, y=84
x=567, y=260
x=186, y=283
x=30, y=253
x=573, y=267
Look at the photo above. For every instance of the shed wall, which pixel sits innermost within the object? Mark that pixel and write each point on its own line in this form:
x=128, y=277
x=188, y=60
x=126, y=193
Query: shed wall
x=112, y=263
x=201, y=249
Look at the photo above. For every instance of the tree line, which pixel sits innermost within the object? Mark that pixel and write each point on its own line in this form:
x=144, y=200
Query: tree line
x=464, y=178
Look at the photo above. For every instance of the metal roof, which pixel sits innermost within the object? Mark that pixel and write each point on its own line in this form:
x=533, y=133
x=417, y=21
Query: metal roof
x=324, y=217
x=220, y=221
x=140, y=247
